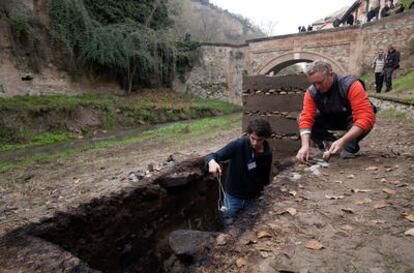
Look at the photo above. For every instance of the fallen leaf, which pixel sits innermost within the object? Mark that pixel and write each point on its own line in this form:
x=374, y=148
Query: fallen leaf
x=409, y=232
x=363, y=202
x=389, y=191
x=263, y=234
x=408, y=216
x=348, y=210
x=381, y=205
x=241, y=262
x=315, y=245
x=360, y=190
x=291, y=211
x=334, y=197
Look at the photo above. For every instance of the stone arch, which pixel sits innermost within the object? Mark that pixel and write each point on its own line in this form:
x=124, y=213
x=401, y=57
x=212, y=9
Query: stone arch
x=291, y=58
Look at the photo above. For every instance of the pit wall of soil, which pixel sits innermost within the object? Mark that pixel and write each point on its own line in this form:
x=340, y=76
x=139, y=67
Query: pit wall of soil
x=124, y=232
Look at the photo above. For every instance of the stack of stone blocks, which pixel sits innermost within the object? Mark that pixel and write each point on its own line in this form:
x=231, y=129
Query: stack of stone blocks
x=278, y=100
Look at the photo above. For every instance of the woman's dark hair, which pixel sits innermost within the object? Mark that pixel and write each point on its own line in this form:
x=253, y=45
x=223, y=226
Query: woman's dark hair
x=260, y=127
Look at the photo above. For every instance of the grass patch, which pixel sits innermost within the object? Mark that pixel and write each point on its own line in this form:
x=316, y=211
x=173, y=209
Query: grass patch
x=367, y=78
x=404, y=84
x=393, y=113
x=177, y=132
x=34, y=140
x=43, y=120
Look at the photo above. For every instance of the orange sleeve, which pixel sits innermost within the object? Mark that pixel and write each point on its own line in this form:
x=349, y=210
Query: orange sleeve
x=362, y=112
x=307, y=117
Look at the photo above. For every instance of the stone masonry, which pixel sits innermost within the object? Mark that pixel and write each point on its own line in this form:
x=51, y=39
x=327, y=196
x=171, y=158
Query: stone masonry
x=279, y=101
x=349, y=50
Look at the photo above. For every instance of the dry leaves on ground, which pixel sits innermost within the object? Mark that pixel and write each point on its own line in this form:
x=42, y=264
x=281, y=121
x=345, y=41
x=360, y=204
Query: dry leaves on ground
x=389, y=191
x=381, y=205
x=315, y=245
x=409, y=232
x=408, y=216
x=241, y=262
x=363, y=202
x=263, y=234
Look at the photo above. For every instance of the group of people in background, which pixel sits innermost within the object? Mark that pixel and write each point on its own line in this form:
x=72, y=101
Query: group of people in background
x=391, y=7
x=375, y=11
x=304, y=29
x=384, y=66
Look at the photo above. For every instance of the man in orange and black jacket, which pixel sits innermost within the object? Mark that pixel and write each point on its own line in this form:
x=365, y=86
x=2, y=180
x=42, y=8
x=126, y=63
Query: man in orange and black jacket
x=334, y=102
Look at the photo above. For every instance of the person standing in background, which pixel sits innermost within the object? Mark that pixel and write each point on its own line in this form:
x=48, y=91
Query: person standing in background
x=379, y=62
x=392, y=62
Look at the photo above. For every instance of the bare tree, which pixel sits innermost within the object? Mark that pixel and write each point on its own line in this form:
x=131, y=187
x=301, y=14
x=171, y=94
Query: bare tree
x=268, y=27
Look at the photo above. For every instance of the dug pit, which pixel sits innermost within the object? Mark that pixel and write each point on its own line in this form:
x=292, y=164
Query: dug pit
x=126, y=232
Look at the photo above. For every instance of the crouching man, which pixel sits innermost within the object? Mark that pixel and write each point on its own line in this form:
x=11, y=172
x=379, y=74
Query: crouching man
x=250, y=161
x=334, y=102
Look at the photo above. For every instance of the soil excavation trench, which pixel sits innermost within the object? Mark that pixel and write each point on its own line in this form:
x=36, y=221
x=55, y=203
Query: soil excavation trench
x=129, y=232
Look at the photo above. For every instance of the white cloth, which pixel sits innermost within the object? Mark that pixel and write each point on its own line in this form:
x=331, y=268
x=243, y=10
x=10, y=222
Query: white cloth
x=373, y=4
x=379, y=64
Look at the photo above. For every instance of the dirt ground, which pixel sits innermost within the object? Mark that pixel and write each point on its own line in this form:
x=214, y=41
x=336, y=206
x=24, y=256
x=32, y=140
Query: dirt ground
x=346, y=216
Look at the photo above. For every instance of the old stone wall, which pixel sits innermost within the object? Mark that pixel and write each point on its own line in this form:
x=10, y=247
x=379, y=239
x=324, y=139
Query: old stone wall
x=219, y=74
x=279, y=101
x=397, y=30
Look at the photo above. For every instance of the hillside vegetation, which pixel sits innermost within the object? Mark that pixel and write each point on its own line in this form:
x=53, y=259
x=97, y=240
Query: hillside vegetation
x=139, y=44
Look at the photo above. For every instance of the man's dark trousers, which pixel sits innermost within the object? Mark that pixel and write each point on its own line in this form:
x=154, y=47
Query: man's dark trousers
x=388, y=78
x=379, y=80
x=324, y=123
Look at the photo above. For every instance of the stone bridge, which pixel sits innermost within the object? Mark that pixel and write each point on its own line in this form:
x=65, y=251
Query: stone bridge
x=348, y=49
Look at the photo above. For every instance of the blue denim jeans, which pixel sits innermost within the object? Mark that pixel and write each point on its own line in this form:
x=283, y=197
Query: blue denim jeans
x=232, y=206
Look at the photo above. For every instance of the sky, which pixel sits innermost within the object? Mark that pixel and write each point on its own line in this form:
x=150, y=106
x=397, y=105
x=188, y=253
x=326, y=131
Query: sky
x=282, y=16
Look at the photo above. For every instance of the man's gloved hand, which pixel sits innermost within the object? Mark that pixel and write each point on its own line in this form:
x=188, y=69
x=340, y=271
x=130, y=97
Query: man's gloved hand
x=214, y=168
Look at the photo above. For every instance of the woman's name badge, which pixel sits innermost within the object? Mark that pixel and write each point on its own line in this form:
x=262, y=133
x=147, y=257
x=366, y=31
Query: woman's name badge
x=251, y=165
